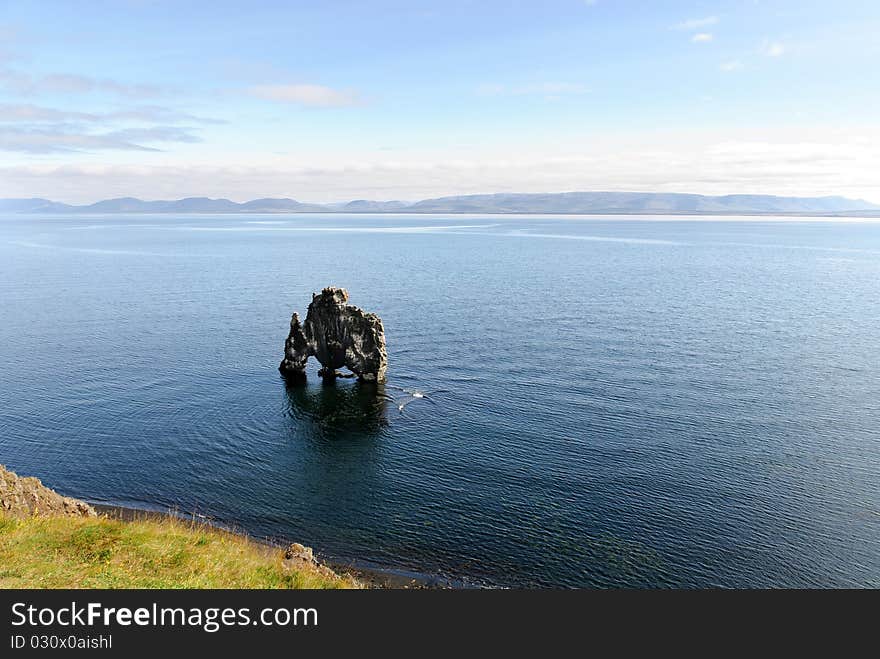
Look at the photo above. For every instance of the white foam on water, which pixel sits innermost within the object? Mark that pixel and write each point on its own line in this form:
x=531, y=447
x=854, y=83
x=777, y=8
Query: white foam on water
x=408, y=229
x=813, y=248
x=82, y=250
x=115, y=226
x=601, y=239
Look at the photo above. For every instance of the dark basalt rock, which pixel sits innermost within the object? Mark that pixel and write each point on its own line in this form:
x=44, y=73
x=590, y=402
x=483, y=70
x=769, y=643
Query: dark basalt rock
x=337, y=334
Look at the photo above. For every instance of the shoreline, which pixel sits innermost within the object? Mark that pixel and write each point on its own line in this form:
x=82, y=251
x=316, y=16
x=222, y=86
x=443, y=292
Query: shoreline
x=26, y=497
x=371, y=576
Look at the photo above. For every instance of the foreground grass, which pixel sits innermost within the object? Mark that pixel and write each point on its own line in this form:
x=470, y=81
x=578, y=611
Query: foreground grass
x=83, y=552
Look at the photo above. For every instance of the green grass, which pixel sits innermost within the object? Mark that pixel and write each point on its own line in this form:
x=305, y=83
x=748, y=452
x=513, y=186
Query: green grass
x=77, y=552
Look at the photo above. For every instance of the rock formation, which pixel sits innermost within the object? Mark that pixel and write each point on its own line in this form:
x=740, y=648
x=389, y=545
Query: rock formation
x=27, y=497
x=337, y=334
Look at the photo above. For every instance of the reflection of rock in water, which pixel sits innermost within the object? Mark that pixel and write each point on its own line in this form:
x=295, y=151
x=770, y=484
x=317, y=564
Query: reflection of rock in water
x=338, y=406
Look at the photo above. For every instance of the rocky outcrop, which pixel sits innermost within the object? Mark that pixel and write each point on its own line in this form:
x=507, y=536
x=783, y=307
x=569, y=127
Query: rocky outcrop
x=26, y=497
x=337, y=334
x=297, y=558
x=298, y=552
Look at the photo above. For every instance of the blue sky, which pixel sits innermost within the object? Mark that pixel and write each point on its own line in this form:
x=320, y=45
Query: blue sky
x=404, y=100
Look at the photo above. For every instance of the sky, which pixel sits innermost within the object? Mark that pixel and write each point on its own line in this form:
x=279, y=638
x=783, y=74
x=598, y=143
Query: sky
x=339, y=100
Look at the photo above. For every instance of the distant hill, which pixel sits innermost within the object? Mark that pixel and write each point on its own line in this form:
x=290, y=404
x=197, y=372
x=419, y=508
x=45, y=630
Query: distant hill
x=364, y=206
x=562, y=202
x=636, y=202
x=31, y=205
x=280, y=206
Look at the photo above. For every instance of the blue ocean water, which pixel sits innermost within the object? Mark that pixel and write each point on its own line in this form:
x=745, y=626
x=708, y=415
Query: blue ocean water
x=611, y=402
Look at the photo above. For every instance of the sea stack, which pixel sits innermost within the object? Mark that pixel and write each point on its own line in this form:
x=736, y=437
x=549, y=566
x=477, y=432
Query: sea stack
x=337, y=334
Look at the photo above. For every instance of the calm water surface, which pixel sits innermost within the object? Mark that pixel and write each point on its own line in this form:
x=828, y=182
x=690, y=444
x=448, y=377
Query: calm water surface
x=610, y=403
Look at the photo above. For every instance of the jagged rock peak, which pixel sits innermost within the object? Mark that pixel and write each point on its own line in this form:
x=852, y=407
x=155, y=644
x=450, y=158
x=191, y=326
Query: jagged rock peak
x=337, y=334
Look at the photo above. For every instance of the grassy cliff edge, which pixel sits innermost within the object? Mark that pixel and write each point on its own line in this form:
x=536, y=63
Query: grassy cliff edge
x=65, y=544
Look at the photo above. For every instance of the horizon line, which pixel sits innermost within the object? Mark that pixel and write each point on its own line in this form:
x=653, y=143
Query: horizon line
x=443, y=197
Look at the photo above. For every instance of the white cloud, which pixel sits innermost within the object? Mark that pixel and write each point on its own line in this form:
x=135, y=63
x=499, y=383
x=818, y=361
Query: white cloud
x=155, y=113
x=702, y=37
x=66, y=138
x=54, y=141
x=697, y=23
x=26, y=112
x=36, y=129
x=68, y=83
x=732, y=65
x=306, y=95
x=801, y=161
x=772, y=48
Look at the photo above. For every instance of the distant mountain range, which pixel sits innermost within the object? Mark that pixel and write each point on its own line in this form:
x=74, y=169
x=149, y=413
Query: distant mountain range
x=563, y=202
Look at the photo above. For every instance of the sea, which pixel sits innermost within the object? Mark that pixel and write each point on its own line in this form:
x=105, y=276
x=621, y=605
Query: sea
x=571, y=401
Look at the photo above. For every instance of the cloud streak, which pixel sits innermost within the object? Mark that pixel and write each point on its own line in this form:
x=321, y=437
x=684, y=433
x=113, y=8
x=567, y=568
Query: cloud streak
x=26, y=112
x=36, y=129
x=69, y=83
x=47, y=140
x=64, y=138
x=772, y=49
x=306, y=95
x=696, y=23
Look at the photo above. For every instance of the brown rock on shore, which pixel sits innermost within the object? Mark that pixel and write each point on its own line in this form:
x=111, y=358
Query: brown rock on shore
x=27, y=496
